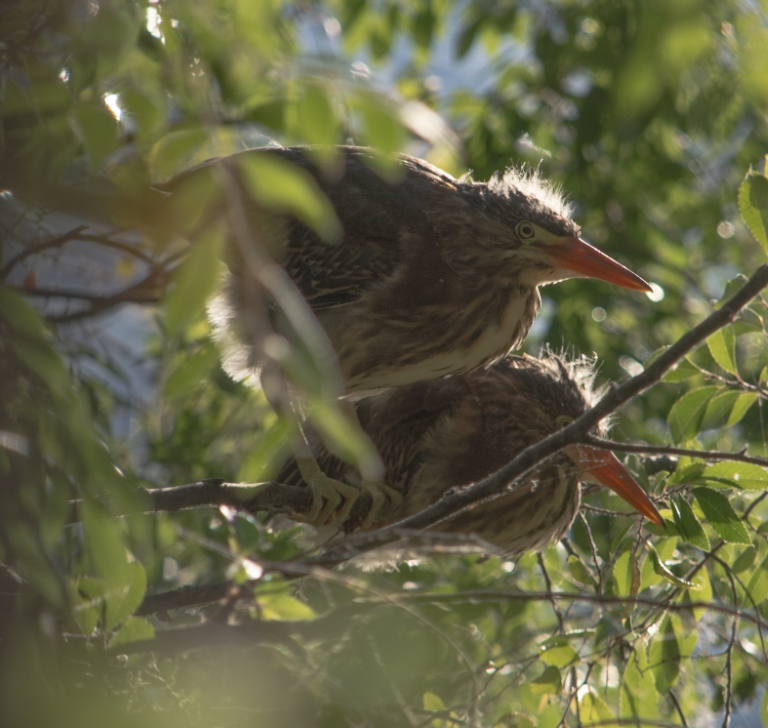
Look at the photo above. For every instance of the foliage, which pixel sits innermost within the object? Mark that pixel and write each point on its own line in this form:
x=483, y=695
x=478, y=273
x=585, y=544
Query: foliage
x=651, y=114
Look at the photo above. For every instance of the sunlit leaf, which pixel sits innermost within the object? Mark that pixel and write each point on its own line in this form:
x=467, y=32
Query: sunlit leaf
x=685, y=417
x=135, y=629
x=753, y=205
x=721, y=516
x=548, y=683
x=559, y=655
x=746, y=475
x=639, y=698
x=282, y=606
x=722, y=346
x=594, y=710
x=664, y=657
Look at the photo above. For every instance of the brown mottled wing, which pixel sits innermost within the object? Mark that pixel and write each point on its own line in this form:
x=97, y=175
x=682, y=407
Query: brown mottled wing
x=400, y=420
x=397, y=421
x=373, y=212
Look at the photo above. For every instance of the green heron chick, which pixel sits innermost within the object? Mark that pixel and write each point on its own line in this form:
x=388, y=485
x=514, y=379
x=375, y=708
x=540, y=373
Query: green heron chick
x=451, y=432
x=430, y=275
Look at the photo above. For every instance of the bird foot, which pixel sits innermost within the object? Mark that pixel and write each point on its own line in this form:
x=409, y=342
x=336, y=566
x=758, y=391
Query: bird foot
x=380, y=493
x=332, y=499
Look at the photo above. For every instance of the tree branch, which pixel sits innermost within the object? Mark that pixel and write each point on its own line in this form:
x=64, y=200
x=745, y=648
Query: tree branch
x=740, y=457
x=458, y=499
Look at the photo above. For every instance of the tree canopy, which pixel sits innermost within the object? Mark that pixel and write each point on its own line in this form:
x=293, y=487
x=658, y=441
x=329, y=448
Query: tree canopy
x=117, y=607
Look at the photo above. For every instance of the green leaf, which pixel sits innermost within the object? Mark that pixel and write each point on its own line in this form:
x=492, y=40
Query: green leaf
x=578, y=571
x=660, y=568
x=98, y=131
x=687, y=524
x=135, y=629
x=626, y=572
x=282, y=606
x=432, y=702
x=684, y=369
x=758, y=584
x=595, y=711
x=639, y=698
x=284, y=187
x=123, y=600
x=87, y=602
x=317, y=122
x=104, y=544
x=548, y=683
x=722, y=346
x=175, y=151
x=744, y=560
x=196, y=279
x=746, y=475
x=753, y=205
x=721, y=516
x=686, y=414
x=195, y=368
x=559, y=655
x=665, y=657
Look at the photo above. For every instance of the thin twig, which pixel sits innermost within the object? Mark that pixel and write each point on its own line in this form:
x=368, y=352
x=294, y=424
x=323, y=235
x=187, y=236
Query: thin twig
x=740, y=457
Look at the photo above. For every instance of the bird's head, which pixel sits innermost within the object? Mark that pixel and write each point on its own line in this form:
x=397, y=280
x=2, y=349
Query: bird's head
x=561, y=390
x=544, y=237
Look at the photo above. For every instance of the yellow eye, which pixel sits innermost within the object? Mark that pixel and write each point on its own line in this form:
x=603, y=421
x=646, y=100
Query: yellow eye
x=563, y=421
x=525, y=230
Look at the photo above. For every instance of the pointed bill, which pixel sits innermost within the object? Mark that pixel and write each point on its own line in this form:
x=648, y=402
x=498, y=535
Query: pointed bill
x=578, y=256
x=603, y=467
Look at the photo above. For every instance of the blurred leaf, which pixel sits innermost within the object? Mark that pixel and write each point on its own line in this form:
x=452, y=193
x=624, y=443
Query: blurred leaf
x=559, y=655
x=280, y=605
x=175, y=151
x=664, y=657
x=687, y=524
x=721, y=516
x=758, y=584
x=196, y=279
x=98, y=131
x=105, y=545
x=753, y=205
x=745, y=475
x=317, y=122
x=639, y=698
x=87, y=602
x=548, y=683
x=579, y=571
x=722, y=346
x=626, y=572
x=194, y=368
x=284, y=187
x=685, y=417
x=135, y=629
x=744, y=560
x=123, y=600
x=594, y=710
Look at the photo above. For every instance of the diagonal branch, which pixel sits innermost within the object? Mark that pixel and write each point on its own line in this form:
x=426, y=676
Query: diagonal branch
x=456, y=500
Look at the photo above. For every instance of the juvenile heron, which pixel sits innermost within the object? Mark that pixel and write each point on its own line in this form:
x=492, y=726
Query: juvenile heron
x=429, y=275
x=440, y=434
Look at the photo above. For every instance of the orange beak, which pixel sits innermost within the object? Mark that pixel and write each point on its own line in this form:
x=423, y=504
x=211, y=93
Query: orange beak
x=603, y=467
x=578, y=256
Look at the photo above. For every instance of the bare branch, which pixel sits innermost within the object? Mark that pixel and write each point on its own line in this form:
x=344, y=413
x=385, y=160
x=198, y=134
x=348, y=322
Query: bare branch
x=740, y=457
